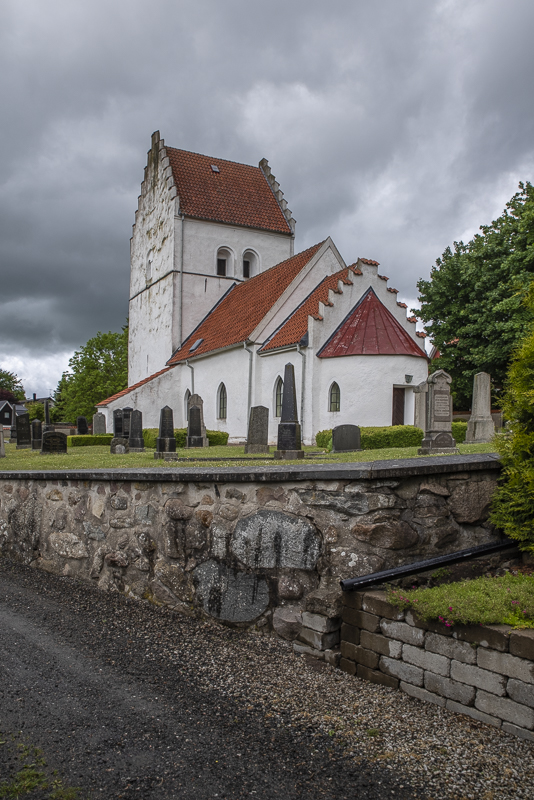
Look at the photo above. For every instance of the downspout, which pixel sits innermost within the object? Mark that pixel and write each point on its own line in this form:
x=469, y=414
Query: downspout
x=302, y=379
x=187, y=364
x=181, y=279
x=249, y=400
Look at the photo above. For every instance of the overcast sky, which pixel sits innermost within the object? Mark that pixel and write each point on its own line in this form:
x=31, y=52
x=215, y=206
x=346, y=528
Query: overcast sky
x=396, y=127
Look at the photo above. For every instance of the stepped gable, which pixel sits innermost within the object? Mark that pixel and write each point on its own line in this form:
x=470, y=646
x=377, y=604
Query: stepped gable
x=131, y=388
x=292, y=330
x=237, y=194
x=242, y=308
x=370, y=329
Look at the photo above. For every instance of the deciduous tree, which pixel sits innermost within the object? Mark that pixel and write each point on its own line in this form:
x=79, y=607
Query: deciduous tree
x=10, y=384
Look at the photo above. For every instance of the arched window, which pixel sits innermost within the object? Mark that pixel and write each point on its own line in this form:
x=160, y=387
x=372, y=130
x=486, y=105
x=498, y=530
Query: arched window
x=222, y=402
x=250, y=264
x=278, y=395
x=334, y=401
x=186, y=406
x=225, y=262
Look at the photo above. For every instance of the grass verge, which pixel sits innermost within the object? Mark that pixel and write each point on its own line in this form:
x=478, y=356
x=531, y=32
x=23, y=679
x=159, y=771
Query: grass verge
x=32, y=774
x=507, y=600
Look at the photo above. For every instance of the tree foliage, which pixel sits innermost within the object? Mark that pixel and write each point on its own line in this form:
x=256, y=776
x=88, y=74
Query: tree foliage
x=473, y=307
x=11, y=387
x=513, y=502
x=98, y=370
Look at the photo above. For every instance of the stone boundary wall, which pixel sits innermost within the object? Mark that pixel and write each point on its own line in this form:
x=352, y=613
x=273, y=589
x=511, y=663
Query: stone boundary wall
x=251, y=546
x=484, y=671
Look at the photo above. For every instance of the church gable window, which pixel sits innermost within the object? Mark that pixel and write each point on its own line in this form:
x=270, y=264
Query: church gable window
x=278, y=394
x=250, y=264
x=334, y=399
x=225, y=262
x=222, y=402
x=221, y=267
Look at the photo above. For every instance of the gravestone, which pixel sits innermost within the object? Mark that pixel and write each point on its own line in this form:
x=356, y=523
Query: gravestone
x=346, y=439
x=289, y=440
x=258, y=430
x=119, y=446
x=480, y=427
x=166, y=443
x=126, y=416
x=82, y=429
x=420, y=393
x=2, y=447
x=135, y=440
x=195, y=401
x=54, y=442
x=24, y=434
x=99, y=423
x=117, y=423
x=194, y=428
x=37, y=434
x=13, y=430
x=438, y=437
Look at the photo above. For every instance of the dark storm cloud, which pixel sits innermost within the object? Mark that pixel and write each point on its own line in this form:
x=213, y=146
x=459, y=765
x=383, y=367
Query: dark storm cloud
x=394, y=127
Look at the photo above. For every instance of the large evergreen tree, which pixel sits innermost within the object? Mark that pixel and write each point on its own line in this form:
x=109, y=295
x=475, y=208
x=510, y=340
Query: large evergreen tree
x=97, y=370
x=473, y=307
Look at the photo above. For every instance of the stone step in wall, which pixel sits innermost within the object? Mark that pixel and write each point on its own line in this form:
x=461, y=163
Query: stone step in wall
x=484, y=671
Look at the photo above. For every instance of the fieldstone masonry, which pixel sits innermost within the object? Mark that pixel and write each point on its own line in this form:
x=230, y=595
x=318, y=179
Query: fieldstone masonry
x=484, y=671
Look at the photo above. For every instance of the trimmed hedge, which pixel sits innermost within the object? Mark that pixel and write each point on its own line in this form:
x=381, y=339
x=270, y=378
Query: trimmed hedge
x=459, y=431
x=215, y=438
x=89, y=441
x=380, y=438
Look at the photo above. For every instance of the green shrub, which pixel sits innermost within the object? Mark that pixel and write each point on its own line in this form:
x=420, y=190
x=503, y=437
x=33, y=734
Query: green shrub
x=89, y=441
x=322, y=438
x=36, y=411
x=215, y=438
x=459, y=431
x=391, y=436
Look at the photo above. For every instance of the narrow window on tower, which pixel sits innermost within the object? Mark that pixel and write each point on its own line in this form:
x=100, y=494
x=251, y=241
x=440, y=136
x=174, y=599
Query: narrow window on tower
x=221, y=267
x=222, y=402
x=246, y=268
x=278, y=394
x=335, y=398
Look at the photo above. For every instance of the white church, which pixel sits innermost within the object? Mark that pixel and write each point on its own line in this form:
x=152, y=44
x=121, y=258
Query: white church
x=219, y=303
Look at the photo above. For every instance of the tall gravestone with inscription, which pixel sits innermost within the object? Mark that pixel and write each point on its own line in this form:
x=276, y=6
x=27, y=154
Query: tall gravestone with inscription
x=135, y=439
x=2, y=446
x=165, y=443
x=126, y=417
x=54, y=442
x=480, y=427
x=37, y=434
x=198, y=431
x=289, y=438
x=438, y=436
x=99, y=423
x=346, y=439
x=258, y=430
x=47, y=426
x=24, y=434
x=420, y=393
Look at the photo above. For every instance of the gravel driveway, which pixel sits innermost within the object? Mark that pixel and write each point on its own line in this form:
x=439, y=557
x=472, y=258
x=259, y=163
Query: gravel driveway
x=131, y=701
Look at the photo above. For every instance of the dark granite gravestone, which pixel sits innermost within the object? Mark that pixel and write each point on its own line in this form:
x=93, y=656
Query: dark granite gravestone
x=345, y=439
x=82, y=428
x=119, y=446
x=37, y=434
x=438, y=437
x=2, y=446
x=135, y=440
x=126, y=416
x=54, y=442
x=117, y=423
x=166, y=443
x=24, y=434
x=13, y=431
x=194, y=428
x=289, y=441
x=258, y=430
x=201, y=440
x=99, y=423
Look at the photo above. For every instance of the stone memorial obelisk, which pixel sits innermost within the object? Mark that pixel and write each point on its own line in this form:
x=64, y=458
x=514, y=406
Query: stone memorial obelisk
x=2, y=446
x=47, y=426
x=99, y=423
x=258, y=430
x=135, y=440
x=480, y=427
x=24, y=435
x=165, y=443
x=420, y=392
x=37, y=434
x=196, y=430
x=438, y=436
x=289, y=439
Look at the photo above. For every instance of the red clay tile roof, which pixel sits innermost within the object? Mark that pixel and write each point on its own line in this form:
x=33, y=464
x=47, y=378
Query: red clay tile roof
x=294, y=328
x=369, y=261
x=237, y=194
x=421, y=334
x=370, y=329
x=402, y=305
x=412, y=319
x=242, y=308
x=131, y=388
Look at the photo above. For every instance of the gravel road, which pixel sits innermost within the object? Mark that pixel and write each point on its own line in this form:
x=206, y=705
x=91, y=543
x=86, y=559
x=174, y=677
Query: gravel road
x=131, y=701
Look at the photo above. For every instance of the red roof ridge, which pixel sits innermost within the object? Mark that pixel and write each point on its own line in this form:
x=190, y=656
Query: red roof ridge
x=421, y=334
x=412, y=319
x=131, y=388
x=369, y=261
x=355, y=269
x=383, y=278
x=392, y=290
x=402, y=305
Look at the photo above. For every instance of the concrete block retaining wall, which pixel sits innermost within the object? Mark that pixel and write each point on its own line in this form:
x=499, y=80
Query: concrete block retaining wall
x=252, y=546
x=484, y=671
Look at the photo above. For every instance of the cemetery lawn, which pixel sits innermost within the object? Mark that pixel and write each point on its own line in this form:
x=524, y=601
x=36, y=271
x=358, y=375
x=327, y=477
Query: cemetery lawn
x=100, y=458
